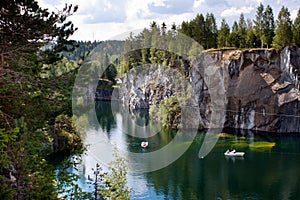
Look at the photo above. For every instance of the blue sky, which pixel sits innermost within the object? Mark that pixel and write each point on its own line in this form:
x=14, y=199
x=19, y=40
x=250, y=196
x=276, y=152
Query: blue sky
x=103, y=19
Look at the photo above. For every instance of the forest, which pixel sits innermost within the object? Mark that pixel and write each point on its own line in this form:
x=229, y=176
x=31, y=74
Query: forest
x=262, y=32
x=36, y=125
x=38, y=66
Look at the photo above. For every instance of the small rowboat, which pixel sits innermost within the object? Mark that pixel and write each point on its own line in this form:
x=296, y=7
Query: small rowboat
x=144, y=144
x=234, y=153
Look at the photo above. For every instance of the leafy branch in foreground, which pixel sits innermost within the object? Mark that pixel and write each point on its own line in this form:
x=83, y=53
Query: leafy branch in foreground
x=111, y=184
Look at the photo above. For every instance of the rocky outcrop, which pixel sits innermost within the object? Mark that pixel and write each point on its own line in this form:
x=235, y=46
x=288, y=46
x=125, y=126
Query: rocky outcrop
x=63, y=135
x=146, y=86
x=260, y=88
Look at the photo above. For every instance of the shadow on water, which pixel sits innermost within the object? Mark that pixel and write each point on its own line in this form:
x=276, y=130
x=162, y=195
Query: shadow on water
x=269, y=170
x=105, y=116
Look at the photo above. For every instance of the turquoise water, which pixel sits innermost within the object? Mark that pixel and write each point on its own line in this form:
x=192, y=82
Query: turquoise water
x=270, y=168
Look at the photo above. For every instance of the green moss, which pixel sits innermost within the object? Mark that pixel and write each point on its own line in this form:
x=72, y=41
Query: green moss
x=225, y=135
x=262, y=145
x=64, y=135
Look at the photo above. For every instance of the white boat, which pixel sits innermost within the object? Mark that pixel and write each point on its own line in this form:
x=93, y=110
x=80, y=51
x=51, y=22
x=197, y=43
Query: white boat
x=144, y=144
x=234, y=153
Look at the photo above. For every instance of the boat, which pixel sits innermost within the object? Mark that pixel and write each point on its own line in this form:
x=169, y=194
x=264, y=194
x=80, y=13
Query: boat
x=144, y=144
x=234, y=153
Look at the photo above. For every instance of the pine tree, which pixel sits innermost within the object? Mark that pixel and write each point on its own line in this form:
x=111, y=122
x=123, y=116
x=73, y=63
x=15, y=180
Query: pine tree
x=26, y=28
x=259, y=23
x=198, y=29
x=242, y=26
x=163, y=28
x=268, y=26
x=186, y=29
x=234, y=36
x=283, y=34
x=223, y=34
x=296, y=30
x=211, y=31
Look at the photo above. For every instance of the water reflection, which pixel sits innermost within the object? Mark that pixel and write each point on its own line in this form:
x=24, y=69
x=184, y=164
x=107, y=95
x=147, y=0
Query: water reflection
x=105, y=116
x=271, y=172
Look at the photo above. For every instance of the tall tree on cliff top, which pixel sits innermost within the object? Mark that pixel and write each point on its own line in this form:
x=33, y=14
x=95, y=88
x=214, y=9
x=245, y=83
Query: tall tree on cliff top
x=211, y=31
x=234, y=36
x=283, y=33
x=296, y=30
x=26, y=27
x=223, y=34
x=259, y=23
x=242, y=27
x=198, y=29
x=268, y=25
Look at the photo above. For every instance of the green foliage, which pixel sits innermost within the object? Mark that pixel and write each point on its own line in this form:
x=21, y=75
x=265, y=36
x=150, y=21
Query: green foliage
x=269, y=26
x=223, y=34
x=242, y=28
x=168, y=112
x=29, y=104
x=66, y=182
x=26, y=175
x=251, y=39
x=59, y=68
x=211, y=31
x=203, y=30
x=23, y=34
x=111, y=184
x=259, y=23
x=283, y=33
x=162, y=39
x=234, y=35
x=296, y=30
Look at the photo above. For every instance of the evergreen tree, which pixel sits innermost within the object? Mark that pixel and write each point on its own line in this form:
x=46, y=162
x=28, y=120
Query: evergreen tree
x=155, y=41
x=242, y=27
x=283, y=34
x=268, y=26
x=173, y=28
x=211, y=31
x=163, y=28
x=296, y=30
x=223, y=34
x=146, y=42
x=234, y=36
x=251, y=39
x=198, y=29
x=259, y=23
x=186, y=29
x=26, y=28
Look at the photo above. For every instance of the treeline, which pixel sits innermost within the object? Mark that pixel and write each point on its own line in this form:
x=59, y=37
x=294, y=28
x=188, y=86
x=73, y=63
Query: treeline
x=263, y=31
x=157, y=45
x=36, y=85
x=85, y=48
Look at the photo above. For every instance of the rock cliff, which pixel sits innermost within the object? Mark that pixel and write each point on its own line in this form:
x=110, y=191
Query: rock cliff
x=261, y=88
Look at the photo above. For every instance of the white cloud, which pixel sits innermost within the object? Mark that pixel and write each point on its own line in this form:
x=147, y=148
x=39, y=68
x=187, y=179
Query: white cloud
x=103, y=19
x=198, y=3
x=294, y=14
x=233, y=11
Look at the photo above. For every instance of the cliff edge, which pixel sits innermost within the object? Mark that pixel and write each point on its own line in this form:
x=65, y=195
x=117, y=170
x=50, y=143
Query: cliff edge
x=261, y=88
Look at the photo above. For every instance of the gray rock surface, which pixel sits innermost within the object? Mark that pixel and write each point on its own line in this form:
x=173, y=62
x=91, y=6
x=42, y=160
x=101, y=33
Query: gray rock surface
x=261, y=88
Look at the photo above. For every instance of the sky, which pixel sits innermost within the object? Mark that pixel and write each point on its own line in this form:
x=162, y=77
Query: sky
x=105, y=19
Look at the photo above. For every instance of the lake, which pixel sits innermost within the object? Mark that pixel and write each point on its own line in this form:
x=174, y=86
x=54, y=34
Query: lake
x=270, y=168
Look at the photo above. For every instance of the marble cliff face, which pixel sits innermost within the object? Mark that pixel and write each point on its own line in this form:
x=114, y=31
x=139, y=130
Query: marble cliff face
x=261, y=88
